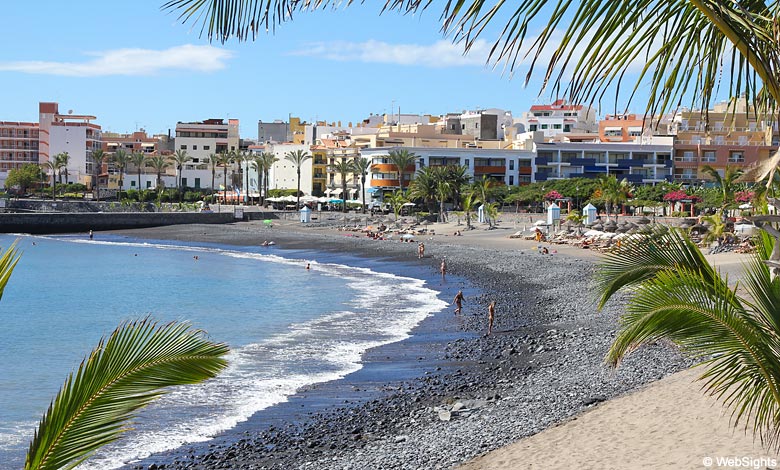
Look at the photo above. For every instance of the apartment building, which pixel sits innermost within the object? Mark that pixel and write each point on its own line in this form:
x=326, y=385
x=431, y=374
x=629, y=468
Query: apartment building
x=509, y=167
x=560, y=118
x=201, y=139
x=728, y=135
x=623, y=128
x=75, y=134
x=640, y=163
x=18, y=146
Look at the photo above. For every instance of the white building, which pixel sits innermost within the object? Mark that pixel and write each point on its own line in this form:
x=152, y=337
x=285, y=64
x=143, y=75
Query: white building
x=201, y=139
x=283, y=174
x=560, y=118
x=72, y=133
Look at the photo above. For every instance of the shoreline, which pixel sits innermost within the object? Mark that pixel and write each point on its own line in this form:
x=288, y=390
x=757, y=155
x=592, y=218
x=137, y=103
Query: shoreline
x=543, y=365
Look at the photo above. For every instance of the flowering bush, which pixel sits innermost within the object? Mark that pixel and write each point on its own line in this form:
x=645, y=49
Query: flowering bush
x=744, y=196
x=552, y=195
x=676, y=196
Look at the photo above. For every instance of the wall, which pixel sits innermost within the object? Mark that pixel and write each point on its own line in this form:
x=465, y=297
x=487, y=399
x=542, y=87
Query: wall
x=84, y=222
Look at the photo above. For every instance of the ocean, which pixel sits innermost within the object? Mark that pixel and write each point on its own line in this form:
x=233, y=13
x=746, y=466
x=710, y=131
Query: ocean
x=287, y=327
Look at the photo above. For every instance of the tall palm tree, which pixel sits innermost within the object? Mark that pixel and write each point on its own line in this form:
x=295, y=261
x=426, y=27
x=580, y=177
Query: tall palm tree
x=613, y=191
x=159, y=163
x=458, y=177
x=65, y=162
x=59, y=164
x=726, y=183
x=360, y=167
x=225, y=160
x=402, y=159
x=245, y=158
x=213, y=162
x=120, y=159
x=51, y=165
x=268, y=162
x=180, y=158
x=344, y=168
x=425, y=186
x=468, y=203
x=124, y=373
x=138, y=159
x=298, y=157
x=97, y=157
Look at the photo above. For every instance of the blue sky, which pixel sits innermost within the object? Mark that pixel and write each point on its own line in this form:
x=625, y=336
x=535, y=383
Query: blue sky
x=135, y=66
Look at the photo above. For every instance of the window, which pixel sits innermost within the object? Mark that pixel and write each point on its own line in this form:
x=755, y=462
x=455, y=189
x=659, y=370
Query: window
x=183, y=147
x=197, y=183
x=511, y=165
x=736, y=156
x=194, y=147
x=545, y=126
x=688, y=156
x=467, y=163
x=556, y=126
x=511, y=180
x=132, y=184
x=207, y=147
x=708, y=156
x=184, y=182
x=533, y=127
x=463, y=127
x=476, y=125
x=232, y=147
x=567, y=128
x=148, y=184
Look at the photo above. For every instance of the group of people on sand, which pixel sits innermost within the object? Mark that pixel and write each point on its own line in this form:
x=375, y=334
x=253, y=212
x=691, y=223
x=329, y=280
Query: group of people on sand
x=458, y=302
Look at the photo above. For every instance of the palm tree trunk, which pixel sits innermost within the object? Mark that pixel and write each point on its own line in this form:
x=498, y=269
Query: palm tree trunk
x=363, y=192
x=224, y=193
x=139, y=184
x=298, y=194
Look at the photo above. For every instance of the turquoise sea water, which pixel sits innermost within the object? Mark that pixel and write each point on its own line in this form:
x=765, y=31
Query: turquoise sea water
x=286, y=326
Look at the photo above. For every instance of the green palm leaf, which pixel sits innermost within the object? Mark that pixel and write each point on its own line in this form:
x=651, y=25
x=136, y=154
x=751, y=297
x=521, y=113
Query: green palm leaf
x=122, y=374
x=677, y=295
x=7, y=264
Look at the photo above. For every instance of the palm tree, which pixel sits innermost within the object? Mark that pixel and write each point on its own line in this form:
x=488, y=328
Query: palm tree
x=245, y=158
x=62, y=160
x=7, y=264
x=343, y=168
x=360, y=167
x=443, y=192
x=52, y=165
x=458, y=177
x=726, y=183
x=397, y=200
x=120, y=159
x=298, y=157
x=402, y=159
x=138, y=159
x=97, y=157
x=213, y=162
x=159, y=163
x=225, y=160
x=469, y=202
x=613, y=192
x=425, y=185
x=124, y=373
x=268, y=162
x=180, y=158
x=483, y=189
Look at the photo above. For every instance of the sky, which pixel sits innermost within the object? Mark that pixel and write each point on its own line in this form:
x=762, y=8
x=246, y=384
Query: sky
x=135, y=66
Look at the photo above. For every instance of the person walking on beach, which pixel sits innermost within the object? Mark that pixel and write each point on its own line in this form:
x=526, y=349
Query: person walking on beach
x=491, y=316
x=91, y=235
x=421, y=250
x=458, y=301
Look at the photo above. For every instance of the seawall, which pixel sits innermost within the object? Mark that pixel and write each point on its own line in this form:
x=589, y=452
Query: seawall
x=43, y=223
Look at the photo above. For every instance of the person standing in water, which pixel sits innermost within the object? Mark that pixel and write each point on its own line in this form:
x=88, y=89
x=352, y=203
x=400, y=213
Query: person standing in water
x=91, y=235
x=491, y=316
x=458, y=301
x=443, y=267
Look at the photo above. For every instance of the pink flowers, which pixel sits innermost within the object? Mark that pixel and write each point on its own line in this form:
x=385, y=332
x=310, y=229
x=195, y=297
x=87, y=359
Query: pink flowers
x=680, y=195
x=552, y=195
x=744, y=196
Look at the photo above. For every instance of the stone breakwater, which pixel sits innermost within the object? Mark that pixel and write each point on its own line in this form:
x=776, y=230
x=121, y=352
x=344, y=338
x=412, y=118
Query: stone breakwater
x=543, y=365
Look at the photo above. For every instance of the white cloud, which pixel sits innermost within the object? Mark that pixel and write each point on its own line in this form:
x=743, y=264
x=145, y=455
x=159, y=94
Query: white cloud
x=130, y=62
x=438, y=54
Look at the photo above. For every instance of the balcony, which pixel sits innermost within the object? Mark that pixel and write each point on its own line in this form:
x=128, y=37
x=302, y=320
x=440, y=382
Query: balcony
x=486, y=170
x=386, y=183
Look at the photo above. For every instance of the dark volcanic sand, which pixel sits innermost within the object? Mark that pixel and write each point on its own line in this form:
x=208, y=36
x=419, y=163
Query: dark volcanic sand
x=543, y=364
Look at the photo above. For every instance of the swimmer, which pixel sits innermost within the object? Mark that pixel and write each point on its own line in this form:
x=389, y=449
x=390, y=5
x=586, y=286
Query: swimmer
x=308, y=266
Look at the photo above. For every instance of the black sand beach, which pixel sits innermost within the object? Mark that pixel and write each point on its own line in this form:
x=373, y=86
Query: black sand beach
x=448, y=393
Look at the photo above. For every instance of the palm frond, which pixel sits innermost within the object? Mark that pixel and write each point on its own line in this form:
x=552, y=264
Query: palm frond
x=640, y=259
x=7, y=264
x=122, y=374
